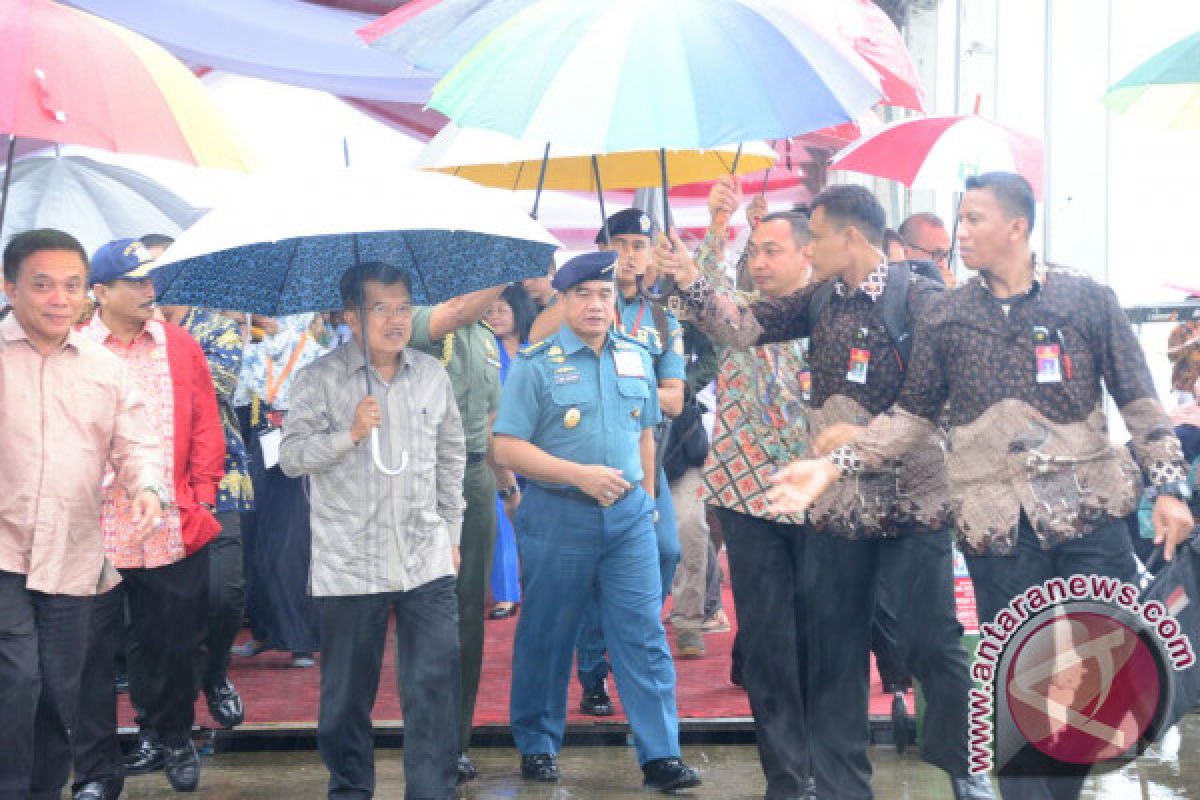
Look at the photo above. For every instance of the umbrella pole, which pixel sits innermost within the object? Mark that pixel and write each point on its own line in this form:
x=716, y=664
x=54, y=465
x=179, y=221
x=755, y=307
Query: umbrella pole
x=736, y=157
x=766, y=176
x=537, y=197
x=600, y=197
x=8, y=166
x=666, y=186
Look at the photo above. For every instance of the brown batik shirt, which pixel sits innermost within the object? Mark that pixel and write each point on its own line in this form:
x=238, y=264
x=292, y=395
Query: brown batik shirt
x=1016, y=444
x=894, y=493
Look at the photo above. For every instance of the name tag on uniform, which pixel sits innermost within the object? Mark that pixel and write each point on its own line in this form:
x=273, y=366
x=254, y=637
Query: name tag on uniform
x=1049, y=363
x=860, y=360
x=566, y=377
x=629, y=364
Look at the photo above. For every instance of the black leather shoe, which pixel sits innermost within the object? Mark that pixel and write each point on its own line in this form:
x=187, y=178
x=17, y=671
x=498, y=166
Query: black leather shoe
x=972, y=787
x=225, y=704
x=92, y=790
x=541, y=767
x=902, y=724
x=466, y=769
x=183, y=767
x=148, y=756
x=668, y=775
x=597, y=703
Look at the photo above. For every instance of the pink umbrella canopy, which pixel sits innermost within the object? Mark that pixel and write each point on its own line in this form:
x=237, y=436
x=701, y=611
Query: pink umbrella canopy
x=942, y=152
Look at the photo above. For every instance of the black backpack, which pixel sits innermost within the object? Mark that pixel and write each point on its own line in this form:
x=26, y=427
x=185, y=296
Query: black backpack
x=894, y=311
x=687, y=442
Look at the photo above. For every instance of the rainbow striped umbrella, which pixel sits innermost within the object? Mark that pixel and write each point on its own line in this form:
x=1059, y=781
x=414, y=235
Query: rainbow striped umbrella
x=617, y=75
x=69, y=77
x=1165, y=89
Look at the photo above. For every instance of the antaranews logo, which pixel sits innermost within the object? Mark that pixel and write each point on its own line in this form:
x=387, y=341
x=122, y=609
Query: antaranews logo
x=1078, y=669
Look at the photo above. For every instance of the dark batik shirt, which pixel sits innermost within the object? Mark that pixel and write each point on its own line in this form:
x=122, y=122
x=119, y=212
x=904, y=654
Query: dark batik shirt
x=894, y=493
x=1016, y=444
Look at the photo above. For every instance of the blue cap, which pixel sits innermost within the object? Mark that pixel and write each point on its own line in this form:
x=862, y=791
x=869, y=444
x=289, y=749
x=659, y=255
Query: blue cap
x=587, y=267
x=630, y=221
x=123, y=258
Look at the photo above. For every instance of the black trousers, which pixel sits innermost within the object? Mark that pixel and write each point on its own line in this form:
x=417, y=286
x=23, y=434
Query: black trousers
x=42, y=642
x=767, y=566
x=998, y=579
x=167, y=605
x=844, y=576
x=886, y=645
x=226, y=599
x=353, y=634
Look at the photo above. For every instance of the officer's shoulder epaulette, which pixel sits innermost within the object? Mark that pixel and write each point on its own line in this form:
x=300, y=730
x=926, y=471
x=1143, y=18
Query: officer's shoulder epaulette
x=531, y=350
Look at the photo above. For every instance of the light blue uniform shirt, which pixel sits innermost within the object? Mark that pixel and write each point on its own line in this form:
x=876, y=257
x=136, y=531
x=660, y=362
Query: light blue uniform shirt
x=579, y=406
x=637, y=321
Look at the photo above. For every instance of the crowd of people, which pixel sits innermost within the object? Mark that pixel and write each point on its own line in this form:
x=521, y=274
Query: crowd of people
x=828, y=406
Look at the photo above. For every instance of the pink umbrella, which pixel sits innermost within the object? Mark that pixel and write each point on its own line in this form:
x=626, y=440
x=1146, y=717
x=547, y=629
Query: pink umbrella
x=942, y=152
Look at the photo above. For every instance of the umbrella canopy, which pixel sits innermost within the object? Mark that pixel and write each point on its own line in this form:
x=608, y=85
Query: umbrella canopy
x=615, y=75
x=942, y=152
x=96, y=202
x=1164, y=89
x=495, y=159
x=72, y=78
x=436, y=34
x=281, y=246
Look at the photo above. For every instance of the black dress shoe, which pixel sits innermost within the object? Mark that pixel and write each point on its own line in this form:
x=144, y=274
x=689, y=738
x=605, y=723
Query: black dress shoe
x=668, y=775
x=596, y=703
x=148, y=756
x=540, y=767
x=503, y=612
x=92, y=790
x=466, y=769
x=225, y=704
x=902, y=724
x=183, y=767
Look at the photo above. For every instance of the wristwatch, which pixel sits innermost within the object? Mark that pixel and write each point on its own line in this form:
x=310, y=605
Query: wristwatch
x=164, y=499
x=211, y=508
x=504, y=494
x=1177, y=489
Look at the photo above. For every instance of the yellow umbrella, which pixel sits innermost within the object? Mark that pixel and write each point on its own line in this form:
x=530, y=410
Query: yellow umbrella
x=498, y=160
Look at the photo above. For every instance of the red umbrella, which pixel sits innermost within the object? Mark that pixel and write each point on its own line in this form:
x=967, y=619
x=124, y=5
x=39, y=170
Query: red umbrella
x=941, y=152
x=874, y=37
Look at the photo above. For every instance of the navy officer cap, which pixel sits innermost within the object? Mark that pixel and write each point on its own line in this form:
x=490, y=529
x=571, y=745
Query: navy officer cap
x=123, y=258
x=587, y=267
x=629, y=221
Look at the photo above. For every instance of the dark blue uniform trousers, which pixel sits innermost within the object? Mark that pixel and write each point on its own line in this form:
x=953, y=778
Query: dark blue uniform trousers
x=573, y=552
x=593, y=667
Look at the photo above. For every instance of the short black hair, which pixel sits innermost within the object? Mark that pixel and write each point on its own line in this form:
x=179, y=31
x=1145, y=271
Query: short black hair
x=157, y=240
x=354, y=278
x=797, y=219
x=524, y=310
x=848, y=204
x=1012, y=191
x=25, y=244
x=890, y=237
x=908, y=228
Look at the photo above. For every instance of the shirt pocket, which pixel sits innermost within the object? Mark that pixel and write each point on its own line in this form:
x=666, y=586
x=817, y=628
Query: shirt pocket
x=633, y=393
x=569, y=399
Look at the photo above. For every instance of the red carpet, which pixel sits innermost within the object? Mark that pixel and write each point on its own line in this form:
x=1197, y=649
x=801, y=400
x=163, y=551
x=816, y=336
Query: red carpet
x=276, y=695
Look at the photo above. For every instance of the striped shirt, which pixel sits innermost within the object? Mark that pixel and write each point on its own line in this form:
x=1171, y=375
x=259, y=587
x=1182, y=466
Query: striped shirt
x=371, y=532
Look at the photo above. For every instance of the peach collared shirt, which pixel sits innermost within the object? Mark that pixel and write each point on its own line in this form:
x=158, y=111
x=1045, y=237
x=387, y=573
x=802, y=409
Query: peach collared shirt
x=63, y=419
x=146, y=358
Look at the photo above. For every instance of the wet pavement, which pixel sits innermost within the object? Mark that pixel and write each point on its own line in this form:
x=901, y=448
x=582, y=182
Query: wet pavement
x=731, y=772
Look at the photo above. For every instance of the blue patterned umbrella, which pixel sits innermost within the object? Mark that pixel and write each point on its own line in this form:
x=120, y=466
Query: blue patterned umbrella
x=281, y=246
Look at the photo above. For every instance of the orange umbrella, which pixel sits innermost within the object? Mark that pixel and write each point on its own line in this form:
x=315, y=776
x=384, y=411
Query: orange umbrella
x=69, y=77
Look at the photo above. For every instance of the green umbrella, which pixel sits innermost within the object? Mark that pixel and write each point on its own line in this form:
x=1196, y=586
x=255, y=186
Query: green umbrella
x=1164, y=89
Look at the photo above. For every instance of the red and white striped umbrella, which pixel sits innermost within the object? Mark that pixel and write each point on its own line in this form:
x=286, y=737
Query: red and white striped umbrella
x=942, y=152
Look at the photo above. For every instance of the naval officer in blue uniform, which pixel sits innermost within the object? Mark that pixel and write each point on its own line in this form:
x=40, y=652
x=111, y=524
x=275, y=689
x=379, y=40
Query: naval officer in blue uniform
x=576, y=419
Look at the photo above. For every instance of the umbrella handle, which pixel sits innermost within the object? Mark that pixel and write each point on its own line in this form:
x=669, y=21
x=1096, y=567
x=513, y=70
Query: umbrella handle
x=377, y=457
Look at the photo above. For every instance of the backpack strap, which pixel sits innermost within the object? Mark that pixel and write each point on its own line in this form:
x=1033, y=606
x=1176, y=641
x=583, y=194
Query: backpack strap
x=820, y=300
x=895, y=310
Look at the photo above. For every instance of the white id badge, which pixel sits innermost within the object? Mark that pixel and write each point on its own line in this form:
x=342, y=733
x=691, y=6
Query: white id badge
x=629, y=364
x=270, y=442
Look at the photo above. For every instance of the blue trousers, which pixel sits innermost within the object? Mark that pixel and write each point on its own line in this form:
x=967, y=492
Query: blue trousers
x=591, y=647
x=506, y=587
x=572, y=554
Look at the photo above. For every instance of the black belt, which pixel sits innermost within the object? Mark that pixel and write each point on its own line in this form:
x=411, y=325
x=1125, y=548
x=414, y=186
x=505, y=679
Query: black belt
x=475, y=458
x=583, y=497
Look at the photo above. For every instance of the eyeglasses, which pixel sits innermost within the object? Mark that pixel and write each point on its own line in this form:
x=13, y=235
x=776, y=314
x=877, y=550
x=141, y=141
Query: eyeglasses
x=934, y=255
x=384, y=311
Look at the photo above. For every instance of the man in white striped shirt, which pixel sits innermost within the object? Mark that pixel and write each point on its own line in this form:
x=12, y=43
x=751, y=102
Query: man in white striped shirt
x=382, y=539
